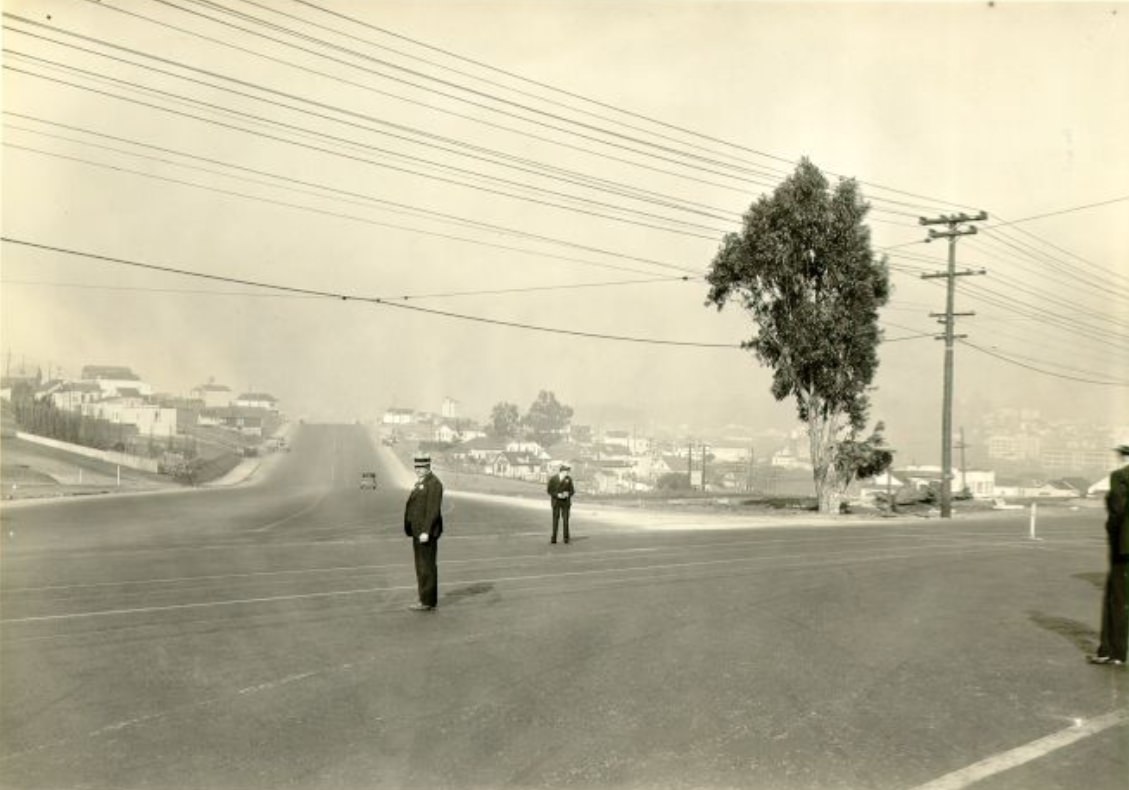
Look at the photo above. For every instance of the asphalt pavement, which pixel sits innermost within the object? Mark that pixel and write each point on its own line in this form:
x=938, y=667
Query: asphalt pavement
x=258, y=637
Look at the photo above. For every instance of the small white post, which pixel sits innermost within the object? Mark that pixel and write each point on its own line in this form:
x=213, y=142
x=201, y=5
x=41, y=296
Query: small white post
x=80, y=475
x=120, y=485
x=1034, y=513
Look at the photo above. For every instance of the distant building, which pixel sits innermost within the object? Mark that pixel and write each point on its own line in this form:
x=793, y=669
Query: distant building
x=396, y=416
x=450, y=409
x=214, y=396
x=70, y=395
x=618, y=439
x=256, y=400
x=445, y=433
x=149, y=419
x=111, y=379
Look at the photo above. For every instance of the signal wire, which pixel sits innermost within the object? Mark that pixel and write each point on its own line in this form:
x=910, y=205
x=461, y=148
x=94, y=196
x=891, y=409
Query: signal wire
x=372, y=162
x=345, y=297
x=931, y=201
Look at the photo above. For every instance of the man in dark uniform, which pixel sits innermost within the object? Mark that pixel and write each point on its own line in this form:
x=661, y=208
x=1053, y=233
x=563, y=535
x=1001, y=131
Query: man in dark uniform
x=560, y=494
x=423, y=523
x=1115, y=611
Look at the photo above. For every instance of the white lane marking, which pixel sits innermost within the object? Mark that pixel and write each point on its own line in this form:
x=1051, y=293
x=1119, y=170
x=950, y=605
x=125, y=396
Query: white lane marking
x=592, y=554
x=164, y=714
x=998, y=763
x=292, y=516
x=494, y=580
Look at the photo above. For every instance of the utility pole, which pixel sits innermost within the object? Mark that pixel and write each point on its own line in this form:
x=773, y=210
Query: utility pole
x=704, y=448
x=963, y=467
x=953, y=221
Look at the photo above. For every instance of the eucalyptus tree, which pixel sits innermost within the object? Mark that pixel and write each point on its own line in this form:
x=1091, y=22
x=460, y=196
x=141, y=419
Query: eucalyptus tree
x=803, y=268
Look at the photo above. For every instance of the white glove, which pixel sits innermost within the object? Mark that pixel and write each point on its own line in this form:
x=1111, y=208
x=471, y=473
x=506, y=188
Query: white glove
x=423, y=538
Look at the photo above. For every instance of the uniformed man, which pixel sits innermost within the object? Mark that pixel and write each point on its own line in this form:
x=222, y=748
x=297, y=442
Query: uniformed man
x=1115, y=608
x=561, y=491
x=423, y=523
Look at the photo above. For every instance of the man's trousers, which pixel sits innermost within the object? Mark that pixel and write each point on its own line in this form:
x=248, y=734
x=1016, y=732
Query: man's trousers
x=427, y=571
x=1115, y=615
x=561, y=508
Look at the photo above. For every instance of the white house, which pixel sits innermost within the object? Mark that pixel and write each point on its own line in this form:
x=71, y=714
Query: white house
x=398, y=417
x=256, y=400
x=531, y=448
x=517, y=465
x=215, y=396
x=618, y=439
x=445, y=433
x=786, y=458
x=113, y=378
x=730, y=454
x=150, y=419
x=70, y=395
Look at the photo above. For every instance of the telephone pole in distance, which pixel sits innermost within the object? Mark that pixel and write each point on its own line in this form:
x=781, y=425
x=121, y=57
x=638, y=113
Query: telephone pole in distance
x=954, y=231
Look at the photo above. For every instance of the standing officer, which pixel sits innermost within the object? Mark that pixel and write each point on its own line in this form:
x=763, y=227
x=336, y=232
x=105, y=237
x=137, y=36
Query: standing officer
x=1115, y=611
x=423, y=523
x=560, y=494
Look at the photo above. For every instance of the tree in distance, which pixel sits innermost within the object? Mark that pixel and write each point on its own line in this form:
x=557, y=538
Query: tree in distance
x=803, y=268
x=855, y=460
x=547, y=419
x=505, y=420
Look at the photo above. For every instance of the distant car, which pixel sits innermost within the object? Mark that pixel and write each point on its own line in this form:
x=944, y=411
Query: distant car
x=388, y=441
x=368, y=480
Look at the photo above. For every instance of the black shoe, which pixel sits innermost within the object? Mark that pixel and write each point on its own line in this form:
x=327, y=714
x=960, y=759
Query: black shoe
x=553, y=542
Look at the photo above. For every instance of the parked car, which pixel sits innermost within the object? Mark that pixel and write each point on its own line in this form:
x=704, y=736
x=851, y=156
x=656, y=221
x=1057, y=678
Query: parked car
x=368, y=480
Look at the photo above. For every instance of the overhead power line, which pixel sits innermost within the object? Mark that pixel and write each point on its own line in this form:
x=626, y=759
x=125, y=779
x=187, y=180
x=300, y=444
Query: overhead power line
x=346, y=297
x=456, y=220
x=407, y=100
x=1043, y=371
x=433, y=142
x=791, y=162
x=395, y=302
x=402, y=297
x=715, y=232
x=698, y=167
x=1070, y=210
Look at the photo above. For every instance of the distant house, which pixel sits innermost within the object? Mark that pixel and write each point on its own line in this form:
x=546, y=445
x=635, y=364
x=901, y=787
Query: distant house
x=1100, y=487
x=445, y=433
x=1034, y=489
x=618, y=439
x=113, y=378
x=150, y=419
x=786, y=458
x=981, y=484
x=519, y=466
x=214, y=396
x=256, y=400
x=528, y=447
x=70, y=395
x=482, y=449
x=246, y=424
x=398, y=416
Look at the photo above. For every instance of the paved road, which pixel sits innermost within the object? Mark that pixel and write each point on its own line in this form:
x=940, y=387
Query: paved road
x=258, y=637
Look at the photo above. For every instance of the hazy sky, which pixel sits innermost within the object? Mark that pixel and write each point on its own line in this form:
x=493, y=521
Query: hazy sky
x=341, y=146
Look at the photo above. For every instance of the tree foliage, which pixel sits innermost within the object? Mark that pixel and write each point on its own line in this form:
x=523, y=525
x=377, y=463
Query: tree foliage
x=505, y=420
x=856, y=460
x=803, y=268
x=547, y=418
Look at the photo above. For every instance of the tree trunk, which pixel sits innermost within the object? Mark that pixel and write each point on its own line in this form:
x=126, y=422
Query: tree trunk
x=821, y=439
